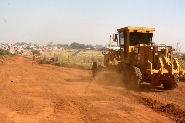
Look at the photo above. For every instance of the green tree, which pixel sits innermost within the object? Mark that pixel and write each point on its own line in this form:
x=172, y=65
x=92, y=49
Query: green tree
x=81, y=46
x=36, y=52
x=75, y=45
x=4, y=52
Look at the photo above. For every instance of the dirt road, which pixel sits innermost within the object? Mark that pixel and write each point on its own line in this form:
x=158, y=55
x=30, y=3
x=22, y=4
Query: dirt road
x=33, y=93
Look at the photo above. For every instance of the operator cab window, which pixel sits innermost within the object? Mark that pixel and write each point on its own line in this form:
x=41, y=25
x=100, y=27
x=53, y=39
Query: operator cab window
x=121, y=38
x=140, y=38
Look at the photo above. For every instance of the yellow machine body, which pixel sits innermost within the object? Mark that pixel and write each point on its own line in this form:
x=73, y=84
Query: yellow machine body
x=140, y=59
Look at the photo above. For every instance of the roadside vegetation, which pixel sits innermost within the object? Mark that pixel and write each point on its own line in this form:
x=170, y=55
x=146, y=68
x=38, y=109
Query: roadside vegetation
x=180, y=56
x=4, y=52
x=82, y=60
x=36, y=52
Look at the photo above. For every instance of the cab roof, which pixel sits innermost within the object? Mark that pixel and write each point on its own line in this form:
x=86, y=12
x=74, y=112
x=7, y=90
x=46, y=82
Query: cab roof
x=137, y=29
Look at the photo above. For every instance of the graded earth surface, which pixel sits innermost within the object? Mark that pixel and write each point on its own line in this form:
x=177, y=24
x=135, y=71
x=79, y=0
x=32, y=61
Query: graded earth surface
x=43, y=93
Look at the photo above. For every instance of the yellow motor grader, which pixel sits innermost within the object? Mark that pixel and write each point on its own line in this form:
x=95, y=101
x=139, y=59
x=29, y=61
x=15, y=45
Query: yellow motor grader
x=140, y=60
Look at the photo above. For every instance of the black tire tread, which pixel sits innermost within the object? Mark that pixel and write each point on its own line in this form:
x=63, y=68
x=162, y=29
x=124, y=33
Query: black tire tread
x=136, y=73
x=173, y=83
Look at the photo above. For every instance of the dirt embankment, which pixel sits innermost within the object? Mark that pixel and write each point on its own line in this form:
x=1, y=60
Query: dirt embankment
x=45, y=93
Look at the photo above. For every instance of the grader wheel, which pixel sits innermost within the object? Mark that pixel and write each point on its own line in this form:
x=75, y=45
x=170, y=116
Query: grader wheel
x=173, y=83
x=134, y=78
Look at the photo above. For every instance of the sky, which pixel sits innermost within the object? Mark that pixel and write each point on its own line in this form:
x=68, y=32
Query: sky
x=89, y=21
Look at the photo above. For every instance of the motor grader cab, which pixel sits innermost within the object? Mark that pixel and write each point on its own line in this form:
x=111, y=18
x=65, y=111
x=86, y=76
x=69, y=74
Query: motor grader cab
x=140, y=60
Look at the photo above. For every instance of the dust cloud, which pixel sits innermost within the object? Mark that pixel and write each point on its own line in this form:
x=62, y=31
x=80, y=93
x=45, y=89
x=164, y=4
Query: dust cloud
x=109, y=79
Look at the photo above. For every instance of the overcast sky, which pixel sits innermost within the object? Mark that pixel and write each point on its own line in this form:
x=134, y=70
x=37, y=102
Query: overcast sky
x=89, y=21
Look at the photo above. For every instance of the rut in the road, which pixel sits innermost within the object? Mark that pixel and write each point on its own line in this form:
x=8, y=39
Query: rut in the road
x=167, y=108
x=170, y=110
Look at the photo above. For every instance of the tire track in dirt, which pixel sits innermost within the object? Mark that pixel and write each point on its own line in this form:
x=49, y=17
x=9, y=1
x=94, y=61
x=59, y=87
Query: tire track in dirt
x=160, y=104
x=161, y=101
x=111, y=106
x=171, y=110
x=60, y=105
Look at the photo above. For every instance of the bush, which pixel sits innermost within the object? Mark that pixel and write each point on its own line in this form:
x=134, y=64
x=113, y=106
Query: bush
x=36, y=52
x=44, y=60
x=4, y=52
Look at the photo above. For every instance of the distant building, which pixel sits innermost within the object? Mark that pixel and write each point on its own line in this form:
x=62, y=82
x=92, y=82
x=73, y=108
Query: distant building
x=88, y=48
x=113, y=47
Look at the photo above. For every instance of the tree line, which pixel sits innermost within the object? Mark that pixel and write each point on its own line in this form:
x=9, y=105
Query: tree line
x=76, y=45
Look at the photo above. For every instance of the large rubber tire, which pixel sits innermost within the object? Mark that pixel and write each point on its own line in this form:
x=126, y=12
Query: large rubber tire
x=172, y=84
x=134, y=78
